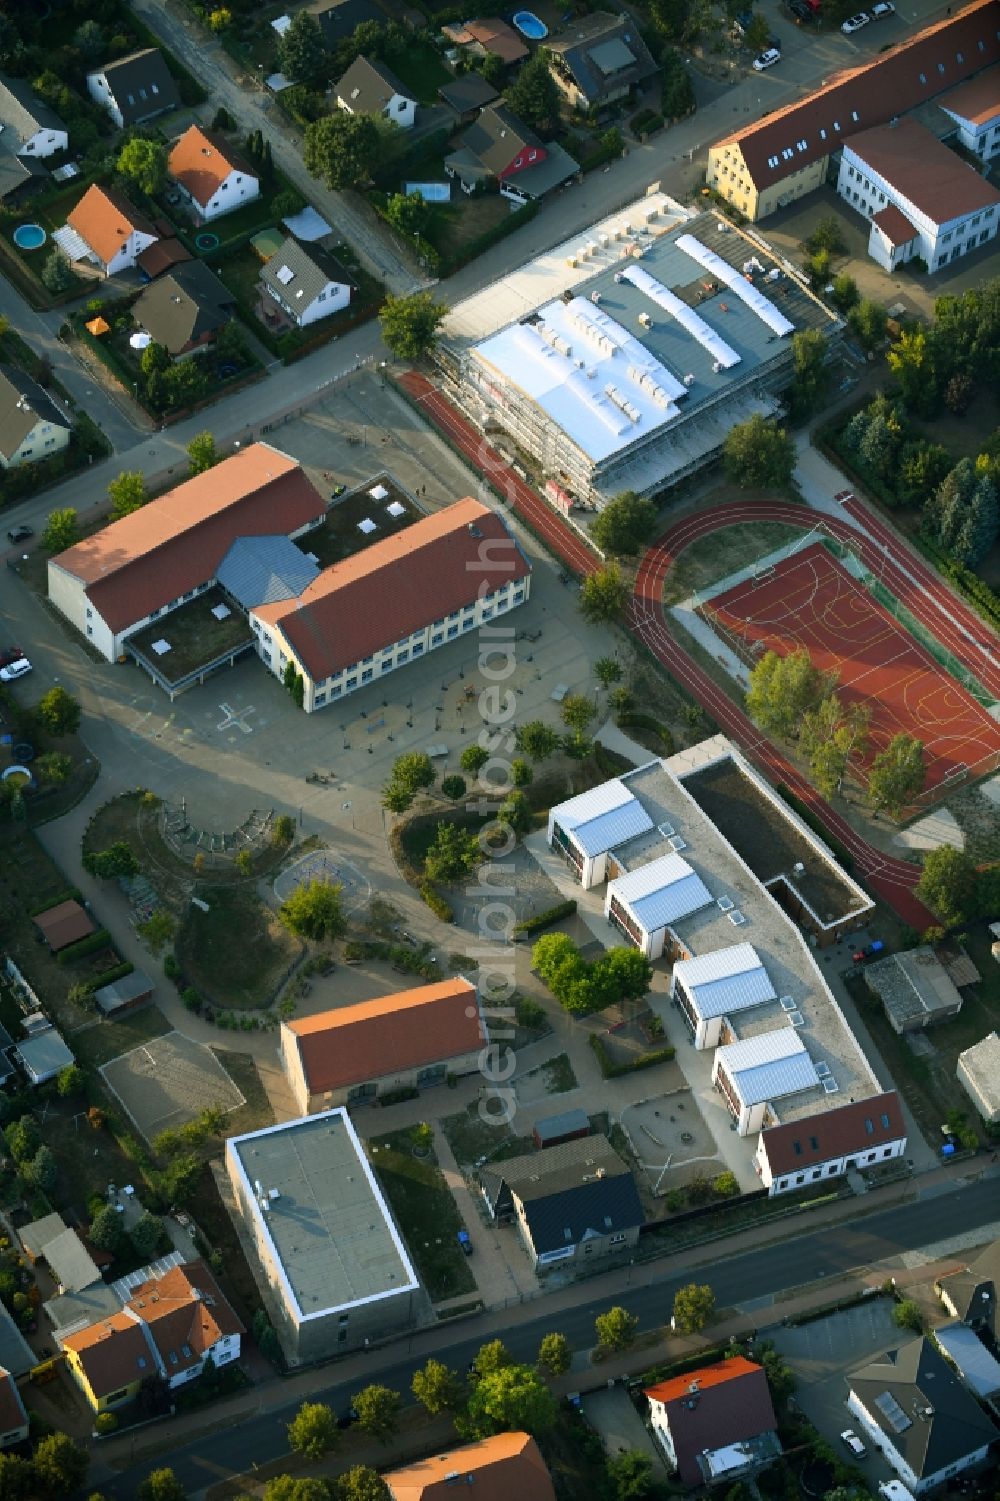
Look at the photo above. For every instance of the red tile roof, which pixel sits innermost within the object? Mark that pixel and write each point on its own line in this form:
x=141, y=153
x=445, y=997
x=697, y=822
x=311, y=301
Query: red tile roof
x=709, y=1408
x=924, y=171
x=12, y=1413
x=105, y=218
x=391, y=589
x=502, y=1468
x=157, y=257
x=835, y=1132
x=170, y=546
x=409, y=1029
x=186, y=1314
x=201, y=163
x=112, y=1353
x=894, y=225
x=941, y=55
x=977, y=101
x=64, y=925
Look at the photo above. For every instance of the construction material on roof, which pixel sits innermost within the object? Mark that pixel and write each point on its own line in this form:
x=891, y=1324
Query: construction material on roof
x=740, y=285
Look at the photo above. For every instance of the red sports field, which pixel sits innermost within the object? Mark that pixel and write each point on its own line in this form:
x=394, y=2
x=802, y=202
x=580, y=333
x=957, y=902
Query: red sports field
x=809, y=600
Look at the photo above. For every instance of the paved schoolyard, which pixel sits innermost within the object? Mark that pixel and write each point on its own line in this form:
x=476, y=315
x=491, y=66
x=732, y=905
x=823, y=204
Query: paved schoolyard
x=167, y=1081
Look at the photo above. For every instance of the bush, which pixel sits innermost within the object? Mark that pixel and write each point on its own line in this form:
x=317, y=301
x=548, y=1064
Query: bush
x=105, y=1423
x=546, y=918
x=612, y=1070
x=436, y=902
x=89, y=945
x=110, y=975
x=636, y=721
x=529, y=1013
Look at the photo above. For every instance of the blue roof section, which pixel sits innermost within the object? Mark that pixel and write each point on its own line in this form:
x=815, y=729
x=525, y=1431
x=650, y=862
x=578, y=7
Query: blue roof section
x=977, y=1366
x=263, y=570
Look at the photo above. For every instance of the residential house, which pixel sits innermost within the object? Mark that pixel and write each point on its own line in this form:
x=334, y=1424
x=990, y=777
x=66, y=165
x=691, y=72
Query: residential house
x=715, y=1424
x=600, y=59
x=494, y=1469
x=353, y=1054
x=370, y=88
x=185, y=309
x=487, y=35
x=971, y=1294
x=16, y=1355
x=19, y=175
x=978, y=1072
x=577, y=1200
x=914, y=1409
x=828, y=1144
x=924, y=202
x=30, y=127
x=339, y=19
x=43, y=1055
x=498, y=146
x=213, y=178
x=110, y=1360
x=466, y=95
x=115, y=582
x=32, y=426
x=135, y=88
x=915, y=989
x=13, y=1417
x=105, y=229
x=972, y=1358
x=975, y=108
x=770, y=162
x=305, y=282
x=397, y=600
x=188, y=1321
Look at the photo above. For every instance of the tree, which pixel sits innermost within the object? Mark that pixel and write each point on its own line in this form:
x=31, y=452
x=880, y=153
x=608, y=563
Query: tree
x=534, y=94
x=61, y=530
x=41, y=1172
x=726, y=1185
x=157, y=931
x=758, y=453
x=155, y=358
x=911, y=360
x=604, y=595
x=147, y=1235
x=437, y=1388
x=537, y=740
x=283, y=830
x=555, y=1354
x=607, y=670
x=922, y=467
x=616, y=1329
x=624, y=525
x=515, y=811
x=958, y=393
x=783, y=689
x=780, y=1377
x=362, y=1483
x=897, y=774
x=845, y=292
x=58, y=711
x=491, y=1357
x=810, y=365
x=201, y=451
x=981, y=524
x=18, y=1481
x=313, y=910
x=906, y=1314
x=127, y=493
x=867, y=320
x=54, y=768
x=624, y=974
x=473, y=759
x=89, y=41
x=378, y=1409
x=57, y=273
x=554, y=954
x=295, y=1488
x=453, y=787
x=454, y=852
x=162, y=1485
x=512, y=1398
x=220, y=20
x=407, y=212
x=694, y=1305
x=577, y=711
x=69, y=1081
x=244, y=863
x=144, y=163
x=631, y=1476
x=395, y=798
x=947, y=510
x=106, y=1230
x=414, y=771
x=410, y=324
x=107, y=865
x=947, y=884
x=757, y=35
x=22, y=1138
x=313, y=1430
x=676, y=89
x=341, y=149
x=521, y=773
x=830, y=735
x=301, y=53
x=60, y=1465
x=671, y=17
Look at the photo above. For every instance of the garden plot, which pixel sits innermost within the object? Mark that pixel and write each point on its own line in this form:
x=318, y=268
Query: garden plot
x=168, y=1081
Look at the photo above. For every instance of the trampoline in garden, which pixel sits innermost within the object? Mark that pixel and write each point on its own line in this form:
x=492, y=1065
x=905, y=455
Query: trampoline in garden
x=207, y=240
x=29, y=237
x=530, y=26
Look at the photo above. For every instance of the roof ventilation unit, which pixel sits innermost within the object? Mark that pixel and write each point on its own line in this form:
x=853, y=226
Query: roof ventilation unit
x=725, y=904
x=830, y=1086
x=677, y=844
x=736, y=918
x=666, y=829
x=786, y=1002
x=796, y=1019
x=822, y=1069
x=645, y=320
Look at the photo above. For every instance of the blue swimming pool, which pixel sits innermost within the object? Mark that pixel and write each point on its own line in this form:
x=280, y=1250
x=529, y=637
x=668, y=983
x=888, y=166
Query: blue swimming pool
x=29, y=237
x=530, y=26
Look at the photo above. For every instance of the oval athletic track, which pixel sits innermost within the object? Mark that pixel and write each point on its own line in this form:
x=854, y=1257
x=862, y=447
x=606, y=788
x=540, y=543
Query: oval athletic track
x=913, y=583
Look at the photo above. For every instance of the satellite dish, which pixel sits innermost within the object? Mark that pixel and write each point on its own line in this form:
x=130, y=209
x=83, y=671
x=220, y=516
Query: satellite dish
x=141, y=340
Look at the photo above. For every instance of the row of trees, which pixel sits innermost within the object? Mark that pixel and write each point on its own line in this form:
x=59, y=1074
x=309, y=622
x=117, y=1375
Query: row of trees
x=582, y=986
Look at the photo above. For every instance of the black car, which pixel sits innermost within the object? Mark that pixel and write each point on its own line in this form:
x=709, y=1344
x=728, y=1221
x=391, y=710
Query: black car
x=20, y=533
x=800, y=10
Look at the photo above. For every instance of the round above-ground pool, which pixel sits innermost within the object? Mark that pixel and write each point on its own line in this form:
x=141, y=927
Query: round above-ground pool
x=29, y=237
x=530, y=26
x=207, y=240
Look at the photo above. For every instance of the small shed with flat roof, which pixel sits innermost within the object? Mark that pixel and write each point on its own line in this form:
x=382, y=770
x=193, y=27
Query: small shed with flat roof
x=43, y=1056
x=979, y=1075
x=126, y=994
x=63, y=924
x=567, y=1126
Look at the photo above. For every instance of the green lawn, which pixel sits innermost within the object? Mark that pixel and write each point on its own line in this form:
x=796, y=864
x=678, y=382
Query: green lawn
x=106, y=1040
x=423, y=71
x=426, y=1214
x=721, y=553
x=237, y=952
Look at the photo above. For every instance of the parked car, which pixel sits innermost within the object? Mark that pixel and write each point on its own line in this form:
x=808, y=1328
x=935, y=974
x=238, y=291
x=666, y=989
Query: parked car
x=851, y=1441
x=882, y=9
x=801, y=11
x=855, y=23
x=767, y=59
x=465, y=1242
x=9, y=654
x=20, y=533
x=18, y=669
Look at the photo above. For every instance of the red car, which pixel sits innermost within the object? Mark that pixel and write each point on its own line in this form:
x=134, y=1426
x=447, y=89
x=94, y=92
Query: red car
x=9, y=654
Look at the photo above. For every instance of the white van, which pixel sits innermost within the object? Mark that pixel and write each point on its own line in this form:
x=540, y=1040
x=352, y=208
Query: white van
x=894, y=1490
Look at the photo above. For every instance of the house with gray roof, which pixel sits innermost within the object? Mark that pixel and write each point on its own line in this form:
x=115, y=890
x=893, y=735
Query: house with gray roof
x=30, y=126
x=915, y=1410
x=185, y=309
x=16, y=1355
x=499, y=145
x=32, y=426
x=305, y=282
x=467, y=94
x=134, y=88
x=599, y=59
x=370, y=88
x=577, y=1200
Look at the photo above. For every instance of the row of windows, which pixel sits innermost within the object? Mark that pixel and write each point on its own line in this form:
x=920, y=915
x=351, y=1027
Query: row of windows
x=797, y=1179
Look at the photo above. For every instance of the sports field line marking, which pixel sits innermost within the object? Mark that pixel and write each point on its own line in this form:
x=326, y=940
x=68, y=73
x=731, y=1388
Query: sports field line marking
x=876, y=667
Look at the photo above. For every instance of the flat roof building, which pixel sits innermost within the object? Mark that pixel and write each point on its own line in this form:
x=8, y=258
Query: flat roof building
x=978, y=1073
x=325, y=1243
x=645, y=902
x=716, y=985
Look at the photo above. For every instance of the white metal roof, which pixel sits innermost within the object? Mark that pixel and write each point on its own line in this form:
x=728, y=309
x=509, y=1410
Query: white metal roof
x=978, y=1368
x=737, y=284
x=661, y=892
x=602, y=818
x=729, y=979
x=768, y=1066
x=692, y=322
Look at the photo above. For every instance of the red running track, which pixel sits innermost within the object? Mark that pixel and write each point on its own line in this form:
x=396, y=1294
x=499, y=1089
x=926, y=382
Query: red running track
x=893, y=880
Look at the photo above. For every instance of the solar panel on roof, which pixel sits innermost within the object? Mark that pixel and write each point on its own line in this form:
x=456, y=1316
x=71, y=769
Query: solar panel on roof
x=737, y=284
x=892, y=1412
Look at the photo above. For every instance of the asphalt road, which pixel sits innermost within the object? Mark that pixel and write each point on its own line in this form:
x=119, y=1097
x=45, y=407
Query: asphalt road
x=736, y=1280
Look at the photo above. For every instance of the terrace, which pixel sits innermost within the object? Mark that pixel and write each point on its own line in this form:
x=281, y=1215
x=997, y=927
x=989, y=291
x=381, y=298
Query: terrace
x=197, y=640
x=341, y=534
